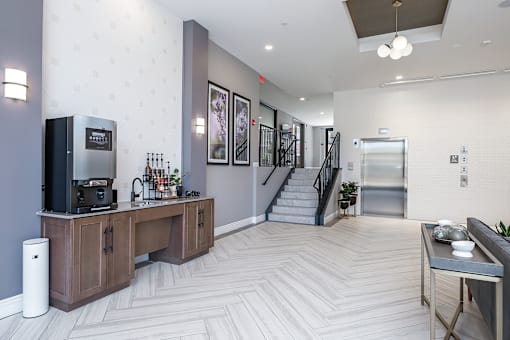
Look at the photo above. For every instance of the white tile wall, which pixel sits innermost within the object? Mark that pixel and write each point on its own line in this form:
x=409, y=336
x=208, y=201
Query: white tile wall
x=438, y=118
x=119, y=60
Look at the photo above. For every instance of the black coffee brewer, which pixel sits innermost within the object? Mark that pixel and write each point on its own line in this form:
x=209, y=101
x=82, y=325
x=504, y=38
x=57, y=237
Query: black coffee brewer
x=80, y=164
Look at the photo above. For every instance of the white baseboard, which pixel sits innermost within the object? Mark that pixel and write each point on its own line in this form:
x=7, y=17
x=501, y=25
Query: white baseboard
x=259, y=219
x=11, y=306
x=331, y=217
x=238, y=224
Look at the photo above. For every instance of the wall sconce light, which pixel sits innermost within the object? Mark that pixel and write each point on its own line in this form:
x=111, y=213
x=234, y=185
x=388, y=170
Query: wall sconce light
x=15, y=84
x=200, y=125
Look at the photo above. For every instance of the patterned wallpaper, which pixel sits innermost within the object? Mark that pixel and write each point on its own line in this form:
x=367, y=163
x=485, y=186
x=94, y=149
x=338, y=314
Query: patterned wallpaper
x=120, y=60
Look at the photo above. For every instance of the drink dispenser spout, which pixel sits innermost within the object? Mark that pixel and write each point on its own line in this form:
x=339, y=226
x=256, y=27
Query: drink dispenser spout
x=133, y=194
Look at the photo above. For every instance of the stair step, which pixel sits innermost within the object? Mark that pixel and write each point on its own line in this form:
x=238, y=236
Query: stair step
x=300, y=188
x=283, y=209
x=300, y=181
x=298, y=195
x=291, y=218
x=310, y=203
x=310, y=176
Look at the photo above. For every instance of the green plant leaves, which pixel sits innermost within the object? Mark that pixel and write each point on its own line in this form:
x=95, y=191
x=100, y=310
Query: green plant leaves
x=503, y=229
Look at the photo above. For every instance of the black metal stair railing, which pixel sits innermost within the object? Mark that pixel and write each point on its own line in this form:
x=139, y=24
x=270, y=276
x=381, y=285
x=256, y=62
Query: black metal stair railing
x=327, y=174
x=269, y=155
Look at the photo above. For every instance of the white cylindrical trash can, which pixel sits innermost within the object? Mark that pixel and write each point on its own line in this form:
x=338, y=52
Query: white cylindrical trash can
x=36, y=281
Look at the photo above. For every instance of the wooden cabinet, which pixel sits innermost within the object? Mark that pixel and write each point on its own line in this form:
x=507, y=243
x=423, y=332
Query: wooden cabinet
x=89, y=236
x=198, y=228
x=89, y=257
x=190, y=236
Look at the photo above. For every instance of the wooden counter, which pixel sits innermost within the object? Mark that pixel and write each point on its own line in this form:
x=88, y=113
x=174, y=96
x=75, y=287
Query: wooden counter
x=93, y=255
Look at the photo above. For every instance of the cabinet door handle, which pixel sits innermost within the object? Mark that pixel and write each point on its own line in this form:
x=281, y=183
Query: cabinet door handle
x=111, y=241
x=105, y=248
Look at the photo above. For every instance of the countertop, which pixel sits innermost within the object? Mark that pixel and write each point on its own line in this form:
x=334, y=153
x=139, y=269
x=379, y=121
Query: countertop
x=123, y=207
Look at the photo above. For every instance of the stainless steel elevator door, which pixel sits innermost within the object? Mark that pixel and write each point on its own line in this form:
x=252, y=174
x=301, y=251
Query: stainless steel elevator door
x=383, y=177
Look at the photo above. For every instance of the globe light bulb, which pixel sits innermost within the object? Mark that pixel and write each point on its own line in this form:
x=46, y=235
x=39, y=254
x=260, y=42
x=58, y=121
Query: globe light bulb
x=407, y=50
x=383, y=51
x=400, y=42
x=395, y=54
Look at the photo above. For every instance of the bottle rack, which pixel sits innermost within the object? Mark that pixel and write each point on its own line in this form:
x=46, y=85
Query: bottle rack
x=156, y=179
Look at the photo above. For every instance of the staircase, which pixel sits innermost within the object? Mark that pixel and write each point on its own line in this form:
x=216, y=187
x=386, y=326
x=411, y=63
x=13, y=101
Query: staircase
x=298, y=201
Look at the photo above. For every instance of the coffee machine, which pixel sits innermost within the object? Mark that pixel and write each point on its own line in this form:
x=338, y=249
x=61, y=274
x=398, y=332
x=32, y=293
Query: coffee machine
x=80, y=164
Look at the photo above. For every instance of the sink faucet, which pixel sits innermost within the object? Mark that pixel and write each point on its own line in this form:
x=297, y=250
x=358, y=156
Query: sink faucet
x=133, y=195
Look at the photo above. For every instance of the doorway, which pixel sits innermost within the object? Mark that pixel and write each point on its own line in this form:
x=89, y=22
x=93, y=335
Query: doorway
x=299, y=132
x=384, y=177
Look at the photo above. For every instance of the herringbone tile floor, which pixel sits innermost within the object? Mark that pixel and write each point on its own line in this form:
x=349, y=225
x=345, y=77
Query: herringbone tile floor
x=358, y=279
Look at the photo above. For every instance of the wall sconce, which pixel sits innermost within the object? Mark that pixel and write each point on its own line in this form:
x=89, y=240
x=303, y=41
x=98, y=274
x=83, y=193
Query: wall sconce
x=200, y=125
x=15, y=84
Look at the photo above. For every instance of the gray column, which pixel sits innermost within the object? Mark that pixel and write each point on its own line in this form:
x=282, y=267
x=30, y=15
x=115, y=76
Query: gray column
x=194, y=104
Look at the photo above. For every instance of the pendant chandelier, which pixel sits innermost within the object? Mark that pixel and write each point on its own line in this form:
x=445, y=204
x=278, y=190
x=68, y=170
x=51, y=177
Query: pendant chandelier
x=399, y=46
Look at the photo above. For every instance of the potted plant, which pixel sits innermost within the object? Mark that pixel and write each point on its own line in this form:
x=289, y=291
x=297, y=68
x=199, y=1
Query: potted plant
x=350, y=191
x=503, y=230
x=176, y=182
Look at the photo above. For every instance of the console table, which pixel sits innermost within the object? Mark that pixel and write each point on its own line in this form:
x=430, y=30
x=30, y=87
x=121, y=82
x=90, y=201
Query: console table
x=482, y=266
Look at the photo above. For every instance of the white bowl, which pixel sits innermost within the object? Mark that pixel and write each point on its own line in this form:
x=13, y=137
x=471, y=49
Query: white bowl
x=444, y=222
x=463, y=246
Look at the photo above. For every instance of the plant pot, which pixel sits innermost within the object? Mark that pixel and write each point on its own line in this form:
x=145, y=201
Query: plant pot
x=353, y=198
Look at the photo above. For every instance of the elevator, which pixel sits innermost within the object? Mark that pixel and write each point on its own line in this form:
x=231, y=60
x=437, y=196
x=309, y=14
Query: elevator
x=384, y=177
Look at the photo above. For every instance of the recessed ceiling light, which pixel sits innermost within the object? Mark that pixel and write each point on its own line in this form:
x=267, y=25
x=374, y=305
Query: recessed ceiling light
x=302, y=99
x=322, y=113
x=260, y=117
x=399, y=77
x=268, y=47
x=486, y=42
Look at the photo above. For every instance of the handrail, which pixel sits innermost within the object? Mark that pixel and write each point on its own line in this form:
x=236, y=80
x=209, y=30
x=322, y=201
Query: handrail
x=327, y=172
x=283, y=156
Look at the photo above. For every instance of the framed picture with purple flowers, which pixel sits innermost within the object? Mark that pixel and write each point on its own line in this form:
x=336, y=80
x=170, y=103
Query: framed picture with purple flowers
x=217, y=124
x=241, y=130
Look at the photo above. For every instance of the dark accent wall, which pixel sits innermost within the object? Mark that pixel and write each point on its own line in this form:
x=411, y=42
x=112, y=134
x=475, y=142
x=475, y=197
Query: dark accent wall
x=20, y=138
x=194, y=104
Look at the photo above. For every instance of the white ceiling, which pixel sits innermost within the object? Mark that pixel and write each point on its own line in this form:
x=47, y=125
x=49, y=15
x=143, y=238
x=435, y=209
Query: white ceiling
x=317, y=51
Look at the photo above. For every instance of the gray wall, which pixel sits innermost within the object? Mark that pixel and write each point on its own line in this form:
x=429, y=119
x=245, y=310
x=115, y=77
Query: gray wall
x=232, y=186
x=333, y=199
x=283, y=118
x=266, y=193
x=194, y=90
x=20, y=138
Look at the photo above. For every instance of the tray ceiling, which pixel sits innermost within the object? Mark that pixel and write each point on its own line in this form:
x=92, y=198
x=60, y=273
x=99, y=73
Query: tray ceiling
x=375, y=17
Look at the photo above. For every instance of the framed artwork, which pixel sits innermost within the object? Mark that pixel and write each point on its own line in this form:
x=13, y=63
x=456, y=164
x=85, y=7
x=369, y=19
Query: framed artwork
x=241, y=130
x=217, y=124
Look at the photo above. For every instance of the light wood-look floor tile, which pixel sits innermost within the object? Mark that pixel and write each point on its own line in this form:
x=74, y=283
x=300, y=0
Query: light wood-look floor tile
x=359, y=279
